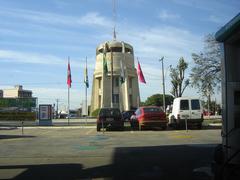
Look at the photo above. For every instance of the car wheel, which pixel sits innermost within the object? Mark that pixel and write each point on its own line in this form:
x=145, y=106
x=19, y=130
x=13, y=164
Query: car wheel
x=164, y=127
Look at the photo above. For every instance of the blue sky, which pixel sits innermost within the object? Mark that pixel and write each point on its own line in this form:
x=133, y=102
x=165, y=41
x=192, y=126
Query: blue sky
x=36, y=37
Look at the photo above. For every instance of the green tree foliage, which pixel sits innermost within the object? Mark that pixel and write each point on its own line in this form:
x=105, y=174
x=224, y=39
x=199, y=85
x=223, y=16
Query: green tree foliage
x=157, y=100
x=206, y=74
x=177, y=78
x=213, y=106
x=95, y=112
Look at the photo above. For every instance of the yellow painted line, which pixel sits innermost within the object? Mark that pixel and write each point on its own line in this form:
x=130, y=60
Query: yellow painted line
x=182, y=136
x=88, y=132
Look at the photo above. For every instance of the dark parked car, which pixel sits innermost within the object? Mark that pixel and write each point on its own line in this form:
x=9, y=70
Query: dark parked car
x=149, y=116
x=110, y=118
x=127, y=115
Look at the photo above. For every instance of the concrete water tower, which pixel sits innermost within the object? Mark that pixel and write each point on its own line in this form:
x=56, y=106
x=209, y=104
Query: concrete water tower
x=107, y=89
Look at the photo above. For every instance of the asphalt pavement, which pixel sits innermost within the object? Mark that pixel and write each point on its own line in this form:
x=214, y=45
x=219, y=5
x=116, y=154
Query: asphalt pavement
x=82, y=153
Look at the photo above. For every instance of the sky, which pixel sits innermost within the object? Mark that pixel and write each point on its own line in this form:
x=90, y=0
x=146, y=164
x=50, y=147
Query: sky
x=36, y=38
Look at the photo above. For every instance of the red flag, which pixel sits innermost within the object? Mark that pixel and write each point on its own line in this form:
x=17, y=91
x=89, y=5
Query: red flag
x=69, y=79
x=140, y=74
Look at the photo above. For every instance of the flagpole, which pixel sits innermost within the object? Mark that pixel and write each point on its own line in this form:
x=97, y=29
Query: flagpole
x=86, y=92
x=111, y=78
x=68, y=98
x=68, y=105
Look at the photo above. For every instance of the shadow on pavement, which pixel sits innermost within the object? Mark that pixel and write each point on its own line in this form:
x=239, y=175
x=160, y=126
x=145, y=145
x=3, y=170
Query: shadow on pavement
x=15, y=136
x=188, y=162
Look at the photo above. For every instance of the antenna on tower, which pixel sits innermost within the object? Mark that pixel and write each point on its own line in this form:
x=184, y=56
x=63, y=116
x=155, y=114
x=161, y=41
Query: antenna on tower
x=114, y=19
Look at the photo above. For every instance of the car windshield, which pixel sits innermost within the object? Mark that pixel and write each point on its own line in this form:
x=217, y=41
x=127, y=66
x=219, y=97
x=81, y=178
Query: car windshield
x=109, y=113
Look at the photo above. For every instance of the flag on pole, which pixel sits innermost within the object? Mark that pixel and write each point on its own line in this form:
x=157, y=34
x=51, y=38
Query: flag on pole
x=86, y=77
x=122, y=74
x=69, y=78
x=140, y=74
x=105, y=68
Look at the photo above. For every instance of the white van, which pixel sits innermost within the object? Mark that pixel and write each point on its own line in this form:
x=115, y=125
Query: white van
x=185, y=107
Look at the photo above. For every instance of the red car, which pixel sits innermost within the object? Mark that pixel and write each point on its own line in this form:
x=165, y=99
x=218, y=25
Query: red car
x=149, y=116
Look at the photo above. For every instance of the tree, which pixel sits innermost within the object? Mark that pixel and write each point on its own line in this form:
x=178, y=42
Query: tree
x=206, y=74
x=157, y=100
x=177, y=78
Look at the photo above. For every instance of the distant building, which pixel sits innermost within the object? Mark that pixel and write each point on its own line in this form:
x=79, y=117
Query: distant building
x=17, y=92
x=1, y=93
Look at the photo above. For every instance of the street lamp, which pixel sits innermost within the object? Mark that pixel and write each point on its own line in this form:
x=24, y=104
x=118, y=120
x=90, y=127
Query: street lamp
x=163, y=83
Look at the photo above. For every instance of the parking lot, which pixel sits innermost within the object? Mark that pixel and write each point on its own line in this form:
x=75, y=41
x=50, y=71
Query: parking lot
x=83, y=153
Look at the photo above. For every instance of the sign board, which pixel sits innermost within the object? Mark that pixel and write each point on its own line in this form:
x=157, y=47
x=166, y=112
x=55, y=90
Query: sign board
x=45, y=114
x=22, y=104
x=84, y=109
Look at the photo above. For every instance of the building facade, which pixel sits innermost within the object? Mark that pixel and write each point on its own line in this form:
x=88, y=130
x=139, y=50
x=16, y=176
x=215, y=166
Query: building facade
x=17, y=92
x=118, y=85
x=228, y=163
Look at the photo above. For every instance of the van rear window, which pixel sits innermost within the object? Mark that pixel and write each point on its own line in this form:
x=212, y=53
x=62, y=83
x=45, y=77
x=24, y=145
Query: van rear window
x=184, y=105
x=195, y=104
x=151, y=110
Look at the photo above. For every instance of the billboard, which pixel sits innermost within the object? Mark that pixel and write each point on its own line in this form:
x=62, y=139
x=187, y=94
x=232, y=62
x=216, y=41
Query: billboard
x=21, y=104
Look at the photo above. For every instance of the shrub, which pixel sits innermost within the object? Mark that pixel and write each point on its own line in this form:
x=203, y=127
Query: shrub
x=95, y=112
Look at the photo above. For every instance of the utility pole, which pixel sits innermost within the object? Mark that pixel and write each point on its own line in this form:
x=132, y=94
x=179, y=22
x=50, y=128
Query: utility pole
x=163, y=84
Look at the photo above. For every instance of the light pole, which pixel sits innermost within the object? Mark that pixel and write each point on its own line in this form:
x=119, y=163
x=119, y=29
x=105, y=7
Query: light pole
x=163, y=83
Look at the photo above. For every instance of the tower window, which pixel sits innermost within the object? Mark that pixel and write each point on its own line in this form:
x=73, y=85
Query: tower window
x=99, y=83
x=115, y=98
x=128, y=50
x=116, y=81
x=99, y=101
x=116, y=49
x=130, y=82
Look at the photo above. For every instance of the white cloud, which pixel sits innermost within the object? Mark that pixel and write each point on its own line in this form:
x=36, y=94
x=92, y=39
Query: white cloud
x=33, y=58
x=91, y=18
x=165, y=15
x=215, y=19
x=37, y=58
x=171, y=42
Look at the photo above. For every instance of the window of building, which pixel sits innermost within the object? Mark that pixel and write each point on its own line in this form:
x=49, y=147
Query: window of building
x=115, y=98
x=130, y=82
x=116, y=81
x=116, y=49
x=99, y=101
x=130, y=100
x=99, y=83
x=99, y=51
x=128, y=50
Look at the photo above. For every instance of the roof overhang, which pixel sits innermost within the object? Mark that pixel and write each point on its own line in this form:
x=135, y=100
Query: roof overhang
x=229, y=32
